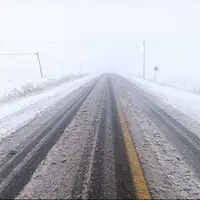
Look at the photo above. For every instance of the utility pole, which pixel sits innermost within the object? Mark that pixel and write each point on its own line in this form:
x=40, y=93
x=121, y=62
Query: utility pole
x=41, y=73
x=144, y=58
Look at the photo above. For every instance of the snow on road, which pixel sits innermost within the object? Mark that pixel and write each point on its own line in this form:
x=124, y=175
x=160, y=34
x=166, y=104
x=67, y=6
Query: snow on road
x=55, y=176
x=168, y=173
x=15, y=114
x=186, y=102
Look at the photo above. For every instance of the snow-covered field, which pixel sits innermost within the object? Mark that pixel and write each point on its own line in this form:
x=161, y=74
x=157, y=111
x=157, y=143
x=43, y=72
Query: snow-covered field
x=15, y=114
x=186, y=102
x=189, y=84
x=17, y=88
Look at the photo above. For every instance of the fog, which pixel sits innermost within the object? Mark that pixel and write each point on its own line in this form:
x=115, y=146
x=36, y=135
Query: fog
x=100, y=36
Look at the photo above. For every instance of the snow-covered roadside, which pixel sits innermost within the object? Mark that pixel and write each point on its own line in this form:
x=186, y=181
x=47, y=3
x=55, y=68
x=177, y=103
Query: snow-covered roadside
x=188, y=84
x=15, y=114
x=185, y=102
x=20, y=88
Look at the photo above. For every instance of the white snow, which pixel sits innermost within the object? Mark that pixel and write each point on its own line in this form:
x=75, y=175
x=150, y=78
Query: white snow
x=186, y=102
x=15, y=114
x=186, y=83
x=11, y=89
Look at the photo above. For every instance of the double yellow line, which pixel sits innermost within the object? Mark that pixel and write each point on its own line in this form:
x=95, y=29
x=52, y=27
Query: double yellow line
x=140, y=185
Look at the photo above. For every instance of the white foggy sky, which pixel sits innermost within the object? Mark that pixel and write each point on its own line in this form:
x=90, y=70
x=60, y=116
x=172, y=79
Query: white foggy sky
x=62, y=20
x=108, y=25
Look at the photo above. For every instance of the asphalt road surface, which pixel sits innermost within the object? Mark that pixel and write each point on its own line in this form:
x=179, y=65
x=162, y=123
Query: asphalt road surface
x=78, y=148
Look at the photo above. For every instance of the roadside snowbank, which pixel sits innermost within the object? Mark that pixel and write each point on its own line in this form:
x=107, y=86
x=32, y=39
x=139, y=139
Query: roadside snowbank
x=15, y=114
x=186, y=102
x=188, y=84
x=13, y=89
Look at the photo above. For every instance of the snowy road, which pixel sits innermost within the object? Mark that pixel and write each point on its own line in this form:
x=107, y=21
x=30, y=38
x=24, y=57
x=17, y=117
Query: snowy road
x=167, y=147
x=78, y=148
x=17, y=113
x=88, y=144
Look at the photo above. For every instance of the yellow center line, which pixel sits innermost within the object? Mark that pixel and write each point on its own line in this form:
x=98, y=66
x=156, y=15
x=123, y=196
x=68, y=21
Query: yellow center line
x=140, y=185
